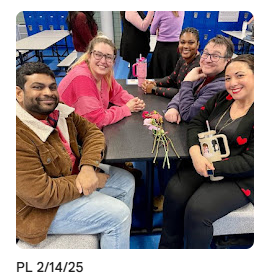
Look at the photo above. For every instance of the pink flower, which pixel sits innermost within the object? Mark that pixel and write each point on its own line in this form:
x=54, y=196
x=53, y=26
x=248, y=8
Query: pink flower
x=145, y=114
x=154, y=121
x=147, y=121
x=152, y=127
x=157, y=117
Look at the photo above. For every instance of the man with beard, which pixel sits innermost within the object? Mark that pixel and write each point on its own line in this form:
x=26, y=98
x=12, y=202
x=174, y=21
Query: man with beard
x=61, y=186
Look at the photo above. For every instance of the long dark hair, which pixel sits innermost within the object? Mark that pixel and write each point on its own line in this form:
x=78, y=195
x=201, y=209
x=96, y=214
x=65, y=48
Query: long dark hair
x=89, y=15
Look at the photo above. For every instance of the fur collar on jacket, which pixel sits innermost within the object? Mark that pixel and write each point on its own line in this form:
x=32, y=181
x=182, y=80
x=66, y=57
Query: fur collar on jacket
x=42, y=130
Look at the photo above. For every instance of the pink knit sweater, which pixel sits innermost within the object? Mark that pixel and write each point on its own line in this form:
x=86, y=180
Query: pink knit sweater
x=78, y=89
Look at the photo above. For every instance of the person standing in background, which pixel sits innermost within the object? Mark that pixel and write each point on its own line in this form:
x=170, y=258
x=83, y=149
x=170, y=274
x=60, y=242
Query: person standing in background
x=167, y=25
x=83, y=28
x=135, y=39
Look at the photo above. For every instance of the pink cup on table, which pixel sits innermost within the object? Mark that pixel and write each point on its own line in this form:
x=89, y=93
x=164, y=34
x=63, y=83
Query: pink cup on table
x=140, y=70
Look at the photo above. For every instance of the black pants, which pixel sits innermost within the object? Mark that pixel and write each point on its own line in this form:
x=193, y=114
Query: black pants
x=191, y=204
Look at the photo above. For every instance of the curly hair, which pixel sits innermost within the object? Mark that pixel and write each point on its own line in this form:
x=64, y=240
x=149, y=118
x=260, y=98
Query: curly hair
x=191, y=30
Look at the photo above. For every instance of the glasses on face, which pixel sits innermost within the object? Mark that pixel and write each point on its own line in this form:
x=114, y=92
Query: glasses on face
x=98, y=56
x=213, y=57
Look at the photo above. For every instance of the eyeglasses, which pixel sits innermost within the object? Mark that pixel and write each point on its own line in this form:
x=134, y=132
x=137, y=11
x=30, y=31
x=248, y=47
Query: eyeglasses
x=213, y=57
x=98, y=56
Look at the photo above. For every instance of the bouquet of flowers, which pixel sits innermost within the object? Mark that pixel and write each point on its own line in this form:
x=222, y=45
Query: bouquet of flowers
x=154, y=122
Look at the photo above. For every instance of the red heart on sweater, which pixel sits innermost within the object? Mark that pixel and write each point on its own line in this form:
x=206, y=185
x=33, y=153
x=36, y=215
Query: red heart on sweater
x=246, y=192
x=241, y=140
x=228, y=97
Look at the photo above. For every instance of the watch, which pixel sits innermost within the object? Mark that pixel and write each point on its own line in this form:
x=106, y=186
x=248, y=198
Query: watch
x=154, y=89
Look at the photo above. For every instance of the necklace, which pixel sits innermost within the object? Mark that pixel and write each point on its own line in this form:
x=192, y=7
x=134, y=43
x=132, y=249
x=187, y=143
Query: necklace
x=228, y=122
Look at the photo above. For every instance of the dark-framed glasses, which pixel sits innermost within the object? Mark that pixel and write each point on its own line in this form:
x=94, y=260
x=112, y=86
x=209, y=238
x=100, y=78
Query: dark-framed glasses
x=213, y=57
x=98, y=56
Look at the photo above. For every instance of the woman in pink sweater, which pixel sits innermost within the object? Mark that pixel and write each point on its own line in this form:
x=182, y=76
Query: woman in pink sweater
x=90, y=86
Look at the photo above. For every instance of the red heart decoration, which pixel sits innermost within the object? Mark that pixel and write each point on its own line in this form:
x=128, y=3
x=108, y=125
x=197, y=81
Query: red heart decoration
x=241, y=140
x=203, y=108
x=229, y=97
x=246, y=192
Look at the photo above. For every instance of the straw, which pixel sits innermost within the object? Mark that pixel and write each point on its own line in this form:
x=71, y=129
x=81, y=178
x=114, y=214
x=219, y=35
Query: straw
x=207, y=124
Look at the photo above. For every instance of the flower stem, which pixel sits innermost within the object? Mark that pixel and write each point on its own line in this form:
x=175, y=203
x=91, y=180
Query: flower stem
x=154, y=143
x=156, y=151
x=173, y=147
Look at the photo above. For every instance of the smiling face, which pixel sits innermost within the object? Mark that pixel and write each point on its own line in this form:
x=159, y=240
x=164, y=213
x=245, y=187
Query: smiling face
x=239, y=81
x=39, y=97
x=188, y=46
x=209, y=67
x=101, y=67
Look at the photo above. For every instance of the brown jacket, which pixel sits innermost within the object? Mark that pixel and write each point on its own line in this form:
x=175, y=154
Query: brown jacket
x=43, y=167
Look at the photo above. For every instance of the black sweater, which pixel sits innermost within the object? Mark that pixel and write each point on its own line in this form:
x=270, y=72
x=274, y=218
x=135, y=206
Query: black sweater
x=239, y=166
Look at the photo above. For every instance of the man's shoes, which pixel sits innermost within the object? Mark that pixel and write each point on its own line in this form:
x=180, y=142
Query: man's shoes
x=135, y=172
x=158, y=203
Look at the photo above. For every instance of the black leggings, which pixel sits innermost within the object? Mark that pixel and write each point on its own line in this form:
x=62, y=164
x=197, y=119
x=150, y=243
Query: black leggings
x=191, y=204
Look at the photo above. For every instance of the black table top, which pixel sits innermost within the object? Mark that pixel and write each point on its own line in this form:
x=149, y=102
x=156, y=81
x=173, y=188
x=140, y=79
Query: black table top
x=130, y=140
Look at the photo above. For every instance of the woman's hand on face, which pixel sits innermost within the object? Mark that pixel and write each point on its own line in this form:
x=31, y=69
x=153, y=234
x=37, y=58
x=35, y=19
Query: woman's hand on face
x=172, y=115
x=135, y=104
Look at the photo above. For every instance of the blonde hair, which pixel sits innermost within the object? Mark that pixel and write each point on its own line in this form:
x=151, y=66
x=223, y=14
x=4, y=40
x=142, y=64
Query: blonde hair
x=100, y=38
x=176, y=14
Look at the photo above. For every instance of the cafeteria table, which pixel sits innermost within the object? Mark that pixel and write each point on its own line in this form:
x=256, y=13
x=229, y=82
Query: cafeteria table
x=129, y=140
x=41, y=41
x=240, y=36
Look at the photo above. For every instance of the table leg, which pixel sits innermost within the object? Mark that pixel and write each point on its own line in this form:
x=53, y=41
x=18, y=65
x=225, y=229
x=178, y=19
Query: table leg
x=39, y=55
x=21, y=58
x=66, y=44
x=150, y=192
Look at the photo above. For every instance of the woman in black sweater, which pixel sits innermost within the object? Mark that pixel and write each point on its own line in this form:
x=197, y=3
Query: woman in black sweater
x=169, y=86
x=192, y=202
